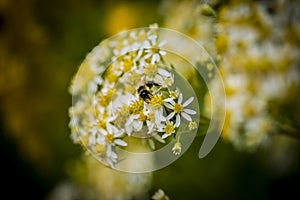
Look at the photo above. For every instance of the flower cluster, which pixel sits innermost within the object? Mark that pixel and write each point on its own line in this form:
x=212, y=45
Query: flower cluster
x=259, y=64
x=196, y=20
x=126, y=89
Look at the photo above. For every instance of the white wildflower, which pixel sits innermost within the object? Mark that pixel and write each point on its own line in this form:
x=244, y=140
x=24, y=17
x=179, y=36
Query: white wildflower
x=178, y=109
x=176, y=148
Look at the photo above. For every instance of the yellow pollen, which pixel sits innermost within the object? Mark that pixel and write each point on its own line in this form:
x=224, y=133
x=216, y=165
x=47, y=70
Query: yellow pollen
x=173, y=94
x=111, y=92
x=169, y=129
x=155, y=50
x=177, y=108
x=101, y=123
x=156, y=101
x=142, y=117
x=104, y=99
x=137, y=106
x=127, y=64
x=111, y=77
x=109, y=137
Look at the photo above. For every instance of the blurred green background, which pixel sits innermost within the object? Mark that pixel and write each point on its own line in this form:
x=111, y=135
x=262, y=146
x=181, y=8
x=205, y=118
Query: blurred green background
x=42, y=43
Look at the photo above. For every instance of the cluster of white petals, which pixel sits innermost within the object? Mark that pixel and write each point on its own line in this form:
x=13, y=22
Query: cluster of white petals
x=125, y=89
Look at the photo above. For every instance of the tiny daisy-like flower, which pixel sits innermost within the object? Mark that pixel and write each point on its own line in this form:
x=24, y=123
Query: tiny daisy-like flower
x=136, y=106
x=155, y=52
x=179, y=109
x=174, y=94
x=192, y=125
x=111, y=135
x=176, y=148
x=168, y=129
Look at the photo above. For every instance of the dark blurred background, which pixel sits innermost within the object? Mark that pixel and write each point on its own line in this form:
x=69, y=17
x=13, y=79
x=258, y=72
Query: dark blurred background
x=42, y=43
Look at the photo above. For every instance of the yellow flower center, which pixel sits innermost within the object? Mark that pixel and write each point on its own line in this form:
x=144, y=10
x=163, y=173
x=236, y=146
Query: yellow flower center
x=169, y=129
x=104, y=99
x=136, y=107
x=155, y=50
x=156, y=101
x=127, y=64
x=177, y=108
x=142, y=117
x=109, y=138
x=111, y=77
x=101, y=123
x=173, y=94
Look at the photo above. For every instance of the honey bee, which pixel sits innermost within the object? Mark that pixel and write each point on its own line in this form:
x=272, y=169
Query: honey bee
x=144, y=91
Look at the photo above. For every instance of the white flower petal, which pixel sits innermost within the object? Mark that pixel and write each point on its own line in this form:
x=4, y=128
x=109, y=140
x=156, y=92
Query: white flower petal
x=187, y=102
x=162, y=52
x=177, y=123
x=114, y=129
x=172, y=102
x=147, y=44
x=170, y=115
x=113, y=155
x=163, y=72
x=180, y=98
x=158, y=138
x=150, y=126
x=128, y=129
x=110, y=162
x=103, y=132
x=168, y=105
x=138, y=125
x=100, y=140
x=168, y=100
x=164, y=136
x=109, y=127
x=119, y=133
x=151, y=144
x=186, y=116
x=162, y=43
x=98, y=80
x=92, y=88
x=189, y=111
x=148, y=55
x=120, y=142
x=159, y=79
x=154, y=58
